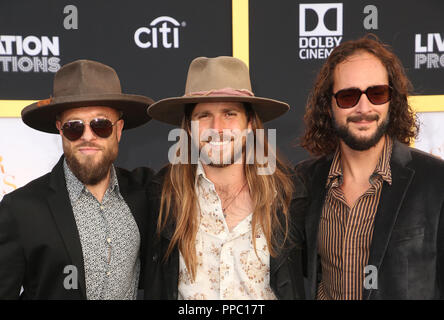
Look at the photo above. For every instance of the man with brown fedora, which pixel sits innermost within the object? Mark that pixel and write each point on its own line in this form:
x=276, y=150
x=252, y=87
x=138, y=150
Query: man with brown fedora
x=222, y=228
x=76, y=232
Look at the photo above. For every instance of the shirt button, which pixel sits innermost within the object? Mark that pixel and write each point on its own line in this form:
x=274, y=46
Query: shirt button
x=102, y=207
x=108, y=273
x=108, y=240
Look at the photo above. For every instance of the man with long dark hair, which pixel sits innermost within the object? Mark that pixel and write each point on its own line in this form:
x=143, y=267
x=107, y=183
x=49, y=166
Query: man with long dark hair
x=229, y=221
x=375, y=226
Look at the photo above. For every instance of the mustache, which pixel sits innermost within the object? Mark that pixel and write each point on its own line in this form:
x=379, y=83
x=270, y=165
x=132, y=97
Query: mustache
x=362, y=117
x=222, y=138
x=89, y=145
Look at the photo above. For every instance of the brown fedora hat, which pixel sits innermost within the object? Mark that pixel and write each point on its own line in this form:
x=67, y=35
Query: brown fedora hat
x=212, y=80
x=84, y=83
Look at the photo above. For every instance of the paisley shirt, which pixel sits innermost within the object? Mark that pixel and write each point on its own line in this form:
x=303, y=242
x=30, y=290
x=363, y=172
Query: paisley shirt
x=110, y=240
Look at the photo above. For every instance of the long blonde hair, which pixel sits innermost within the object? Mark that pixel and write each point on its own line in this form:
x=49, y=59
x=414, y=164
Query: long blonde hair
x=270, y=195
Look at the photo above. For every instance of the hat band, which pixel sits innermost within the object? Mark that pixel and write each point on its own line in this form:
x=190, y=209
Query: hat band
x=222, y=92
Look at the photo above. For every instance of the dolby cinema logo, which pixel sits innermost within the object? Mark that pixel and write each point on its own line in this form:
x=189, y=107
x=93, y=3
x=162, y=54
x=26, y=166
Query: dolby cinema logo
x=320, y=29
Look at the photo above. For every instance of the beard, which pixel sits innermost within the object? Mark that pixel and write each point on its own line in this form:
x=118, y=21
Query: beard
x=356, y=143
x=236, y=156
x=90, y=172
x=223, y=157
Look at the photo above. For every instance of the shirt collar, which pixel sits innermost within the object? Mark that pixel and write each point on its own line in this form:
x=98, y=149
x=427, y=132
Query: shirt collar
x=200, y=174
x=335, y=169
x=76, y=187
x=200, y=170
x=113, y=182
x=382, y=168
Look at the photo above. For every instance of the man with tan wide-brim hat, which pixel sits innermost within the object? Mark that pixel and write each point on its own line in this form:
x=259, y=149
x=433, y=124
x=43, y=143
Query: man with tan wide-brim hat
x=212, y=80
x=76, y=232
x=219, y=229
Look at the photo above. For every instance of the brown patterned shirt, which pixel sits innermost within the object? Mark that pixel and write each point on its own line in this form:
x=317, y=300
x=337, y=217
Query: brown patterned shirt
x=345, y=233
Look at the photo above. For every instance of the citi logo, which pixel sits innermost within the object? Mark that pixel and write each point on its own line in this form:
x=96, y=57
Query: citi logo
x=162, y=31
x=320, y=29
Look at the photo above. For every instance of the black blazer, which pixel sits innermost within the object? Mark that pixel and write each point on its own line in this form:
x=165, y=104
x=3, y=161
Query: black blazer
x=161, y=276
x=408, y=239
x=39, y=237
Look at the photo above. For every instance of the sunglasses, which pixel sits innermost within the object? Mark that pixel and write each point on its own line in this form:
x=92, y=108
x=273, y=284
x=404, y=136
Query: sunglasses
x=348, y=98
x=73, y=129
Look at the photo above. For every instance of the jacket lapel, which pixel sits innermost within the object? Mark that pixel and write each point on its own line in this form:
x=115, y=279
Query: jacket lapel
x=389, y=205
x=300, y=192
x=171, y=266
x=276, y=262
x=61, y=210
x=133, y=187
x=317, y=197
x=132, y=198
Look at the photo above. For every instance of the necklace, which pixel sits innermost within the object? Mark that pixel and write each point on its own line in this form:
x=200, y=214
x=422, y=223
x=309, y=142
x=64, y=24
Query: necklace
x=226, y=207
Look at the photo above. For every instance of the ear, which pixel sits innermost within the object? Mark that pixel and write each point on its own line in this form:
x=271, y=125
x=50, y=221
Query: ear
x=59, y=126
x=119, y=128
x=59, y=123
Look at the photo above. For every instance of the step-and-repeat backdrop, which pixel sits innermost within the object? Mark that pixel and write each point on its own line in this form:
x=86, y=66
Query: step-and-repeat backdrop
x=151, y=43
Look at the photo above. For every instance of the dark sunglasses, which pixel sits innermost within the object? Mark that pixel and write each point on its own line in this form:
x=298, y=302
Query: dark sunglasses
x=348, y=98
x=73, y=129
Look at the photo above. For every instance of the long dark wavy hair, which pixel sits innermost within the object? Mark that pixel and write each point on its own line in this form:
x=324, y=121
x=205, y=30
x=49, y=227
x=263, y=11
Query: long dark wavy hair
x=319, y=137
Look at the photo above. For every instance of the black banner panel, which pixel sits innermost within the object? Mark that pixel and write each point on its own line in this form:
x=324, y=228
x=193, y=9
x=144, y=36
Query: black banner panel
x=149, y=43
x=290, y=40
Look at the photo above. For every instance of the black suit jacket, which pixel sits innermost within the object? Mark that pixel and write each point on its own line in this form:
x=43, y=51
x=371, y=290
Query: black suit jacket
x=408, y=239
x=161, y=276
x=39, y=236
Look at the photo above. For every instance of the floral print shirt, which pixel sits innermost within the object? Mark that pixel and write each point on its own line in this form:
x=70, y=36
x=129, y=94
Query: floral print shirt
x=228, y=266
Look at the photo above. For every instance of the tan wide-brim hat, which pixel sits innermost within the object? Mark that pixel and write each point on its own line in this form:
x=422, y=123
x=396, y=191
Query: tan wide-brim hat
x=85, y=83
x=215, y=80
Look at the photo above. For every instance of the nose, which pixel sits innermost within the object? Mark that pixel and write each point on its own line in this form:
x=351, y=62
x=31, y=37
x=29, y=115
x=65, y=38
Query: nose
x=217, y=123
x=88, y=134
x=364, y=105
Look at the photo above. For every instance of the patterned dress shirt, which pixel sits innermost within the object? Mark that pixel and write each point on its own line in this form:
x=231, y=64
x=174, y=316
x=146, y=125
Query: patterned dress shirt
x=228, y=266
x=345, y=233
x=110, y=240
